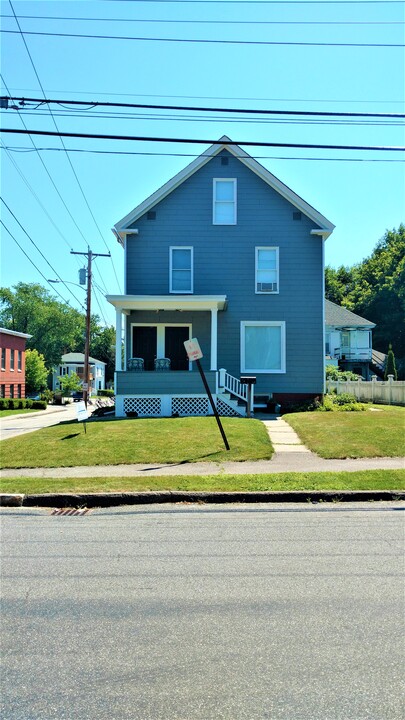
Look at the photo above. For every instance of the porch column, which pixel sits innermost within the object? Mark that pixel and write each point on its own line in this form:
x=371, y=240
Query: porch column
x=214, y=339
x=118, y=339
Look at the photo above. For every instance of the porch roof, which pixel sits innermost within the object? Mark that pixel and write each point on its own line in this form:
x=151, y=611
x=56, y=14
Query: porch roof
x=167, y=302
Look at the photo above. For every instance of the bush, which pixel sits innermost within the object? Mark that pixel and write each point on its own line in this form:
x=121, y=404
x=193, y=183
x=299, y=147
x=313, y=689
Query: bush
x=105, y=393
x=47, y=395
x=341, y=403
x=3, y=403
x=334, y=373
x=39, y=404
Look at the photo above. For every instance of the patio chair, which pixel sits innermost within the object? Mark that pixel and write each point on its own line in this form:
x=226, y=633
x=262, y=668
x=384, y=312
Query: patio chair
x=136, y=364
x=162, y=364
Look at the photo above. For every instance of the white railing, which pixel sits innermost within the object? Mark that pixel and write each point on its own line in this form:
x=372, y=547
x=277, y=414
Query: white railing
x=228, y=383
x=389, y=392
x=348, y=354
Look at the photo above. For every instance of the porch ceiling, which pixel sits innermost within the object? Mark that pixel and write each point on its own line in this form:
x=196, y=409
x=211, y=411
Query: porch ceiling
x=167, y=302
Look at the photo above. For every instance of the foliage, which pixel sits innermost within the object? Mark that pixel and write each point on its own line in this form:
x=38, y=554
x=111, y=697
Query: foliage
x=334, y=373
x=55, y=327
x=47, y=395
x=390, y=368
x=21, y=404
x=105, y=393
x=102, y=348
x=36, y=374
x=340, y=403
x=375, y=289
x=69, y=383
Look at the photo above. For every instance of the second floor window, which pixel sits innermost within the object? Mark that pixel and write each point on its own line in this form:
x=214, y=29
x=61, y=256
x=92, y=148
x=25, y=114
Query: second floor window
x=11, y=359
x=267, y=270
x=19, y=361
x=181, y=270
x=224, y=202
x=3, y=358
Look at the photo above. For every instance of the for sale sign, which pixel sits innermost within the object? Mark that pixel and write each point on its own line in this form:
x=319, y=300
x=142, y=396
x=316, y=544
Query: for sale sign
x=193, y=349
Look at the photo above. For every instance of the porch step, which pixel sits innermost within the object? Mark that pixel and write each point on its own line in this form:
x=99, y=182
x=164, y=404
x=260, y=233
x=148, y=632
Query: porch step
x=261, y=402
x=239, y=408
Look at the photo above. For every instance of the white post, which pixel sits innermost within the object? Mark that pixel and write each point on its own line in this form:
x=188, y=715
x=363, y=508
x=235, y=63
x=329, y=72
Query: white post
x=390, y=381
x=214, y=338
x=221, y=380
x=118, y=339
x=373, y=382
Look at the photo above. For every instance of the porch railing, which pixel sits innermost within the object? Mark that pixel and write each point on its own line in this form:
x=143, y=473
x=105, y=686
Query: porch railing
x=233, y=386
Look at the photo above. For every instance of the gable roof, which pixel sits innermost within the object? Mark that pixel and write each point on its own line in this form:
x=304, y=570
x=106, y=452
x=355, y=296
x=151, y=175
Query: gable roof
x=341, y=317
x=79, y=358
x=326, y=227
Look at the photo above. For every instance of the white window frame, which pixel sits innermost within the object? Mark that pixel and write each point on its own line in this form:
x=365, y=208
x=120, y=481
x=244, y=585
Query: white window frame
x=267, y=247
x=181, y=247
x=215, y=202
x=266, y=323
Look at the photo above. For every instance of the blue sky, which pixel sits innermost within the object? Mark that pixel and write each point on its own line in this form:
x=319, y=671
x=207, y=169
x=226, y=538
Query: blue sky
x=61, y=208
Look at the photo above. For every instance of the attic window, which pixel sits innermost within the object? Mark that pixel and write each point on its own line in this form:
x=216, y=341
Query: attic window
x=151, y=215
x=224, y=201
x=224, y=160
x=297, y=216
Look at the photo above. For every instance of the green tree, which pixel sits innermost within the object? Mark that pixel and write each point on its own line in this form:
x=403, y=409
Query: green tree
x=55, y=327
x=390, y=368
x=102, y=348
x=69, y=383
x=36, y=373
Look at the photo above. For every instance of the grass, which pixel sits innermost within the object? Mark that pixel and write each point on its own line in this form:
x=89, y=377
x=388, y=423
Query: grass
x=22, y=411
x=379, y=431
x=161, y=440
x=360, y=480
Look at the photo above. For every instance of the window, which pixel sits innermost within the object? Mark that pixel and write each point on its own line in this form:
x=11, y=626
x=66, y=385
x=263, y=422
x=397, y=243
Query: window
x=11, y=391
x=3, y=358
x=12, y=360
x=224, y=205
x=2, y=391
x=181, y=270
x=19, y=361
x=263, y=346
x=266, y=270
x=19, y=391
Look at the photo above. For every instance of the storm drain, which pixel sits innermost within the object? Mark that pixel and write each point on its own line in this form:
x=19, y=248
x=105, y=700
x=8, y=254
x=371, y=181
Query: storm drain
x=70, y=511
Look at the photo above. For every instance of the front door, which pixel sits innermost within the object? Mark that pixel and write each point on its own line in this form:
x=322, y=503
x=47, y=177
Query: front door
x=174, y=347
x=144, y=344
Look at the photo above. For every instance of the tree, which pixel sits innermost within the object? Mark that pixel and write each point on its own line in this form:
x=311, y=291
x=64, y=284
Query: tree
x=390, y=368
x=102, y=348
x=69, y=383
x=55, y=327
x=36, y=374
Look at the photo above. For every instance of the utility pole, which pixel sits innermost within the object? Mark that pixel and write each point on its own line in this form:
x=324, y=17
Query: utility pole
x=90, y=255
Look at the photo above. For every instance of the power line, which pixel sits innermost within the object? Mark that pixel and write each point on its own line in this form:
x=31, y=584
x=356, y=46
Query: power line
x=199, y=108
x=31, y=261
x=268, y=2
x=192, y=141
x=39, y=250
x=209, y=22
x=205, y=40
x=60, y=137
x=193, y=155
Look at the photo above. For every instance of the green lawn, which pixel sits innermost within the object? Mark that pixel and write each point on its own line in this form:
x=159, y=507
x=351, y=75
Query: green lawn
x=162, y=440
x=379, y=431
x=22, y=411
x=361, y=480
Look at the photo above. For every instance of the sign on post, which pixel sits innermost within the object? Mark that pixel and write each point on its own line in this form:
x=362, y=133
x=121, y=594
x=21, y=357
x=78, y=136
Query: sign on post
x=193, y=351
x=81, y=413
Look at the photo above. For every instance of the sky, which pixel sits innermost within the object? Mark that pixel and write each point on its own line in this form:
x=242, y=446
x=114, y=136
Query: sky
x=320, y=56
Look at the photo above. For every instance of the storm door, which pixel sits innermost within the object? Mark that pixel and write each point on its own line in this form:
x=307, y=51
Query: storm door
x=144, y=344
x=174, y=346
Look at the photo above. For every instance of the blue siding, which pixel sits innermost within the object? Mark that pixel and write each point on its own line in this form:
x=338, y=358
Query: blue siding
x=224, y=263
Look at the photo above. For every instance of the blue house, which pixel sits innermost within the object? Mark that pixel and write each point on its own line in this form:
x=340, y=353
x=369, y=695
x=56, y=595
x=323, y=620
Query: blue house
x=228, y=254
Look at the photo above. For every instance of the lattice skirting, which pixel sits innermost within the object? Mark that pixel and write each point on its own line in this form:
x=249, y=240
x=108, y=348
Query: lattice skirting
x=168, y=405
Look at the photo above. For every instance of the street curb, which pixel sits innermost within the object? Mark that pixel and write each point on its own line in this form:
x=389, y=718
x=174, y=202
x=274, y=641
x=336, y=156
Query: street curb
x=94, y=500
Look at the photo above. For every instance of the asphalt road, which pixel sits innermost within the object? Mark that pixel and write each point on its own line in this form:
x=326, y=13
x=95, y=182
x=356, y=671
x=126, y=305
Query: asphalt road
x=190, y=612
x=12, y=426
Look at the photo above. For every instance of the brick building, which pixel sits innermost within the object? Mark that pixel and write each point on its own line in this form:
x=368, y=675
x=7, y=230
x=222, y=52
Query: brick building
x=12, y=371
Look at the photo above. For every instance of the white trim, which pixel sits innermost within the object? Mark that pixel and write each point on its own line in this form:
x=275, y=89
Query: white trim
x=160, y=336
x=214, y=339
x=326, y=226
x=267, y=323
x=118, y=339
x=181, y=247
x=14, y=333
x=267, y=247
x=168, y=302
x=323, y=317
x=216, y=202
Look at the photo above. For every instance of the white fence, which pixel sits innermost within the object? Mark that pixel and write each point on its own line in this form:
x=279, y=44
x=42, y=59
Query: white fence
x=389, y=392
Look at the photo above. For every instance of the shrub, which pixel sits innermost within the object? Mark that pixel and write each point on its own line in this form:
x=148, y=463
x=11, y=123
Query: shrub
x=390, y=368
x=334, y=373
x=39, y=404
x=3, y=403
x=341, y=403
x=47, y=395
x=105, y=393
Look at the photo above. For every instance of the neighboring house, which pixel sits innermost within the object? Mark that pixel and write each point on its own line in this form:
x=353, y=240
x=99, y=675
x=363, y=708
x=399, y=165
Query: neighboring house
x=74, y=363
x=226, y=253
x=12, y=352
x=348, y=341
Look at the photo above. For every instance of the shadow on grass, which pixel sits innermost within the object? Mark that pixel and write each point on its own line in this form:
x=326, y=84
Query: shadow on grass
x=181, y=462
x=69, y=437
